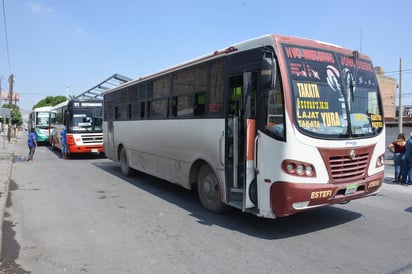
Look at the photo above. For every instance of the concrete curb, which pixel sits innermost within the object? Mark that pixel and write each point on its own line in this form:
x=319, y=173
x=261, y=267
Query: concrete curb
x=7, y=151
x=6, y=163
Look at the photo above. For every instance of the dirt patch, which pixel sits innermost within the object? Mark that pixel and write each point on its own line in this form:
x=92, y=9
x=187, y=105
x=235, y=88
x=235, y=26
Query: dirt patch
x=10, y=268
x=10, y=247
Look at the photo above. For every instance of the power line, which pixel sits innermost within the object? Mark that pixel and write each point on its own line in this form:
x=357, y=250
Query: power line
x=7, y=39
x=397, y=71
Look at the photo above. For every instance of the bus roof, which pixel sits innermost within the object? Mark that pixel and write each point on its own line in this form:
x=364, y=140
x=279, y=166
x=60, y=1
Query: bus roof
x=46, y=108
x=268, y=39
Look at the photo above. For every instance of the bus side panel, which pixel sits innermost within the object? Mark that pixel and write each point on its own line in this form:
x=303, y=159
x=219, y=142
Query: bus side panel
x=55, y=136
x=168, y=149
x=173, y=170
x=108, y=145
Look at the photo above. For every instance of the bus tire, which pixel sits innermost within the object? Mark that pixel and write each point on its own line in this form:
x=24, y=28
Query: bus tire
x=124, y=166
x=209, y=191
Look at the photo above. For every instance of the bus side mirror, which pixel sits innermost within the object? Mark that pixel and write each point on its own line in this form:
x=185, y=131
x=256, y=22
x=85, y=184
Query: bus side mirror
x=268, y=70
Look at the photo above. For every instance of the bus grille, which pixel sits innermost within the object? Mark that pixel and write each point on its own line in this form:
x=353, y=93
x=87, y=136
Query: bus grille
x=92, y=139
x=347, y=164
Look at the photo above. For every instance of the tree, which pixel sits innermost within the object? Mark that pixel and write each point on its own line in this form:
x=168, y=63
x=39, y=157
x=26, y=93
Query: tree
x=16, y=117
x=50, y=101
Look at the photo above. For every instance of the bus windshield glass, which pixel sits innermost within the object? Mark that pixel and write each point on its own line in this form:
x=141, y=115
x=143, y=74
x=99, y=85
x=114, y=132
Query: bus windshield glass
x=86, y=120
x=42, y=119
x=334, y=95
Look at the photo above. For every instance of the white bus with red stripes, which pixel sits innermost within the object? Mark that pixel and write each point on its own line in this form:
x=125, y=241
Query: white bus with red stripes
x=272, y=126
x=83, y=120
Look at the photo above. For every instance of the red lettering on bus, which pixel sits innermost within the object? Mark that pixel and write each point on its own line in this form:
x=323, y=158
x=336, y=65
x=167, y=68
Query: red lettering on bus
x=293, y=53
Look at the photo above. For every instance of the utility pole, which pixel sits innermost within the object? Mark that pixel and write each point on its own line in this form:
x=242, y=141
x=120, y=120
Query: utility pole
x=400, y=120
x=67, y=91
x=11, y=80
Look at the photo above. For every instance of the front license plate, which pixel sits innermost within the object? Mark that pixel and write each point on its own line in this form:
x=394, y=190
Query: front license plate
x=95, y=150
x=350, y=189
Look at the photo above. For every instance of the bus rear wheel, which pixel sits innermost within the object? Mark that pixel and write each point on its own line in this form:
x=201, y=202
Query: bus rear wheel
x=124, y=166
x=209, y=191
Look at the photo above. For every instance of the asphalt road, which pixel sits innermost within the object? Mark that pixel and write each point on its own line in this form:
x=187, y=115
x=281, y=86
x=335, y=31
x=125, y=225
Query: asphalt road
x=83, y=216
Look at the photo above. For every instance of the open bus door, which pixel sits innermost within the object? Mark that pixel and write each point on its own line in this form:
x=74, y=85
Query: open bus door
x=241, y=132
x=249, y=72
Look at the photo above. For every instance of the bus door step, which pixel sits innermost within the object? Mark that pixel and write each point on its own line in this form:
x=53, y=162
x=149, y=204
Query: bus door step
x=236, y=190
x=236, y=204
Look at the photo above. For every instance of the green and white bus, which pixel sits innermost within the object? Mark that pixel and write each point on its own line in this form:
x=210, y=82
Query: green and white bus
x=39, y=119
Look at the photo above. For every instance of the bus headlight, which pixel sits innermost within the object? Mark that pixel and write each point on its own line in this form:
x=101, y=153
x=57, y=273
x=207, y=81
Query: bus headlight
x=298, y=168
x=308, y=170
x=290, y=167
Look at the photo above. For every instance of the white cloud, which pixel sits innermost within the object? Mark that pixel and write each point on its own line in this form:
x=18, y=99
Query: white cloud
x=38, y=8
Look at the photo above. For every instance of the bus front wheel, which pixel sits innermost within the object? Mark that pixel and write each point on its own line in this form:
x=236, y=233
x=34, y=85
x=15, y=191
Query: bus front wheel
x=209, y=190
x=124, y=166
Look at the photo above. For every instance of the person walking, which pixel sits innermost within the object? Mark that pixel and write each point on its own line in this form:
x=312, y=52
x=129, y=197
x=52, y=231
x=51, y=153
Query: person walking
x=32, y=143
x=398, y=149
x=64, y=143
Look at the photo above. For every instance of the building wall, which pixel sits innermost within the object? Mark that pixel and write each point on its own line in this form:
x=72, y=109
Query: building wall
x=388, y=86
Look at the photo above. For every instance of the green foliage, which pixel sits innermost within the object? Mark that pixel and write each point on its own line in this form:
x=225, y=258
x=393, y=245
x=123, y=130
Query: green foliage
x=16, y=117
x=50, y=101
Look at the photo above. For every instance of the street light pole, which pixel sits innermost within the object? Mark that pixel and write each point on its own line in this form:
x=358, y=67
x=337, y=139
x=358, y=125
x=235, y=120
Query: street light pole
x=11, y=81
x=400, y=120
x=67, y=92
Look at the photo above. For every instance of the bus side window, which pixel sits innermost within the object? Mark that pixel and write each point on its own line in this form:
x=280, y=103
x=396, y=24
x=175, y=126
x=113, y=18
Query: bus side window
x=116, y=113
x=142, y=110
x=275, y=112
x=135, y=111
x=174, y=106
x=184, y=105
x=215, y=94
x=200, y=104
x=148, y=110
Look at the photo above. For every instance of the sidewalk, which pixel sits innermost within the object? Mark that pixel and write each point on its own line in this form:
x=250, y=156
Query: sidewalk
x=7, y=150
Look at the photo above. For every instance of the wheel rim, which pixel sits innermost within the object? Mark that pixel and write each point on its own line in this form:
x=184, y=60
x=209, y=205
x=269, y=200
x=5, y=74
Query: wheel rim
x=210, y=188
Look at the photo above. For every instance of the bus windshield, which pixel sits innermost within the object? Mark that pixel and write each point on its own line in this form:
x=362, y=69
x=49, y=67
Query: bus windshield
x=42, y=119
x=85, y=120
x=334, y=95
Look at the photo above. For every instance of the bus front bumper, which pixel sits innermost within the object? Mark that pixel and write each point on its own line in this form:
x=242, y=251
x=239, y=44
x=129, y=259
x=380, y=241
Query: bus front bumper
x=289, y=198
x=85, y=149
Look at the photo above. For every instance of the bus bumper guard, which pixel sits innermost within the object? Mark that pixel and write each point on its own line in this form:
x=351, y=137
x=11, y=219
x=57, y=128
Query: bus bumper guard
x=85, y=149
x=290, y=198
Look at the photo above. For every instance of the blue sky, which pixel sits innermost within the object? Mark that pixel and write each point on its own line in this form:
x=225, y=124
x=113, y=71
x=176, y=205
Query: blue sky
x=58, y=46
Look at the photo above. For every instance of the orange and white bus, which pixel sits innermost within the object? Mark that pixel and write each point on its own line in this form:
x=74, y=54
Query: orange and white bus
x=272, y=126
x=83, y=122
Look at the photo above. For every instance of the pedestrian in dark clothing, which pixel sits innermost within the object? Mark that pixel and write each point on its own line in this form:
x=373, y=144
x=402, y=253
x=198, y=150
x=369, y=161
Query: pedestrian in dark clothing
x=398, y=149
x=32, y=143
x=407, y=162
x=63, y=143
